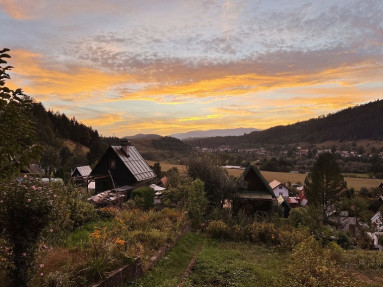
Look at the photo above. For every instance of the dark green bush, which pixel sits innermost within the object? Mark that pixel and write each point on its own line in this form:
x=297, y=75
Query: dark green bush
x=143, y=197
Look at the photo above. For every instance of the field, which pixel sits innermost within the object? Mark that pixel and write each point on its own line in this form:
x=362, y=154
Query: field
x=355, y=182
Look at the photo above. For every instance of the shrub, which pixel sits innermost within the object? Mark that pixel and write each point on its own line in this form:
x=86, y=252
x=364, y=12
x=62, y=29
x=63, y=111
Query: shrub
x=312, y=265
x=25, y=209
x=289, y=238
x=218, y=229
x=263, y=232
x=143, y=197
x=197, y=202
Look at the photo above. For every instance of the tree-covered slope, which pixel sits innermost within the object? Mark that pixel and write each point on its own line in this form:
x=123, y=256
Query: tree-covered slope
x=359, y=122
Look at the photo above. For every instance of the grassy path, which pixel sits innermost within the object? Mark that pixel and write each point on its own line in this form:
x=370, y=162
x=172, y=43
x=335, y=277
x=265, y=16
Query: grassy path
x=169, y=270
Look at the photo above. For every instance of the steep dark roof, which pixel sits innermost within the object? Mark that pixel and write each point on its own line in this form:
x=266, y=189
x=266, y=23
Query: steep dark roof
x=260, y=176
x=135, y=163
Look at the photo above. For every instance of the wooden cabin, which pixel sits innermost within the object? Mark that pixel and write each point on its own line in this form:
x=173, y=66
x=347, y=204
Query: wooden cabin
x=258, y=197
x=121, y=167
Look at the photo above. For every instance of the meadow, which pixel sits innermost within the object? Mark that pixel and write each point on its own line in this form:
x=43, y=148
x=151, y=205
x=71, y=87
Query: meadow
x=352, y=181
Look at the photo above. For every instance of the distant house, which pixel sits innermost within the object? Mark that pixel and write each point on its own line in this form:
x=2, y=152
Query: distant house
x=81, y=171
x=121, y=167
x=257, y=197
x=80, y=174
x=33, y=169
x=279, y=189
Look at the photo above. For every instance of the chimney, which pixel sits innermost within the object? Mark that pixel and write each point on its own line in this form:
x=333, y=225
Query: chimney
x=125, y=144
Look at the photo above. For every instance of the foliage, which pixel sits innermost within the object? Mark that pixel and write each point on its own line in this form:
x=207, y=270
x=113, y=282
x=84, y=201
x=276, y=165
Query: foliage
x=70, y=211
x=324, y=182
x=157, y=169
x=170, y=143
x=17, y=134
x=218, y=229
x=219, y=185
x=143, y=197
x=25, y=209
x=197, y=202
x=312, y=265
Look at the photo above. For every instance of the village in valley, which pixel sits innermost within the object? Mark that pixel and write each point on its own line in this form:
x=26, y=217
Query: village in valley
x=191, y=143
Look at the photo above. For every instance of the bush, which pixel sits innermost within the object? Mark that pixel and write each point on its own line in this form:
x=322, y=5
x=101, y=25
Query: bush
x=263, y=232
x=143, y=197
x=25, y=209
x=289, y=238
x=218, y=229
x=312, y=265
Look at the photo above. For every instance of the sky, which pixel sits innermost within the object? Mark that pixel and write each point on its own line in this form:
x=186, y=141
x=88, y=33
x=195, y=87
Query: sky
x=167, y=66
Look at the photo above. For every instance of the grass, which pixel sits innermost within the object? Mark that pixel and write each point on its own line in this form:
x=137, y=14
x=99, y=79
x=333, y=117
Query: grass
x=227, y=263
x=80, y=237
x=170, y=269
x=220, y=263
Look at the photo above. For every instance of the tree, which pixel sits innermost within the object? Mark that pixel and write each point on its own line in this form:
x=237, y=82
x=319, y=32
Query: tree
x=219, y=185
x=324, y=182
x=197, y=202
x=17, y=133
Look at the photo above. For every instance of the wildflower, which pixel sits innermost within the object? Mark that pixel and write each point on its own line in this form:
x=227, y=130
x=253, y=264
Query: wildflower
x=39, y=188
x=51, y=230
x=41, y=274
x=29, y=200
x=41, y=265
x=25, y=176
x=33, y=187
x=54, y=196
x=24, y=254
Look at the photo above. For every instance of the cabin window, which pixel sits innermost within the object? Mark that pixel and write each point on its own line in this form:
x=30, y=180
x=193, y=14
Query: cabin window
x=112, y=164
x=280, y=187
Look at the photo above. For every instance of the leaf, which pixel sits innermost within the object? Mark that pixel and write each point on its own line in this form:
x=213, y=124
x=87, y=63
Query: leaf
x=4, y=50
x=5, y=56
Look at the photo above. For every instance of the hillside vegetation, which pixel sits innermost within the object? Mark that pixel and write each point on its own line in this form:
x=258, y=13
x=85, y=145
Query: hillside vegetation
x=354, y=123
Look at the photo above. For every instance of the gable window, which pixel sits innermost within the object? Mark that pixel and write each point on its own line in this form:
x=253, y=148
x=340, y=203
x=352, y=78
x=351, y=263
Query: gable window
x=280, y=187
x=112, y=164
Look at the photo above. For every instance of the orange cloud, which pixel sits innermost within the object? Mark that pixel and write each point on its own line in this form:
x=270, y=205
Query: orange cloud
x=44, y=80
x=104, y=120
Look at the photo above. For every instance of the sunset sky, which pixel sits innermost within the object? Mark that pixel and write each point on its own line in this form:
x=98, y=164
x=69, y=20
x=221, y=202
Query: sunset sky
x=144, y=66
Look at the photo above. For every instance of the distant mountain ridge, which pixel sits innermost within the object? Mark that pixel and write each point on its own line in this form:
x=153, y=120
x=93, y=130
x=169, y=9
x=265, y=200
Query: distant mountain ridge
x=143, y=136
x=353, y=123
x=213, y=133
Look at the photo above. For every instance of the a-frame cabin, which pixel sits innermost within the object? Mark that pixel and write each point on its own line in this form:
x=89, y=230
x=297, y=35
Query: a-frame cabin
x=258, y=197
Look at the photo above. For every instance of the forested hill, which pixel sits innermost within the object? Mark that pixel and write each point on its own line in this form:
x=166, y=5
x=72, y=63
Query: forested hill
x=52, y=128
x=359, y=122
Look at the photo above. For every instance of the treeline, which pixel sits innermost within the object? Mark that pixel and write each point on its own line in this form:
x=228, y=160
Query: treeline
x=52, y=129
x=360, y=122
x=51, y=125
